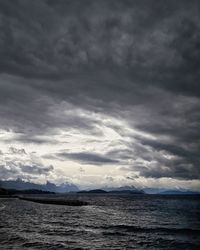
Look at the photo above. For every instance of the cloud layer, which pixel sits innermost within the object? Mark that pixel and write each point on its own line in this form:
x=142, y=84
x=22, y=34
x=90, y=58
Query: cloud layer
x=105, y=83
x=16, y=163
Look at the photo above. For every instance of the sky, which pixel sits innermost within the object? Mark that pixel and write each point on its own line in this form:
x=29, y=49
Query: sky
x=100, y=93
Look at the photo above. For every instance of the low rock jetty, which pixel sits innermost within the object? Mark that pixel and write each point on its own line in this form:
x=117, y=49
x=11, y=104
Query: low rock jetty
x=55, y=201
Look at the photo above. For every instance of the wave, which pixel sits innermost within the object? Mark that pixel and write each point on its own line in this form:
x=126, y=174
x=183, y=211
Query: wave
x=130, y=228
x=2, y=207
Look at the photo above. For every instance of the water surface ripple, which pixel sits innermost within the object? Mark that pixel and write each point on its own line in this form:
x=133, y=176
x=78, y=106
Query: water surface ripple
x=110, y=222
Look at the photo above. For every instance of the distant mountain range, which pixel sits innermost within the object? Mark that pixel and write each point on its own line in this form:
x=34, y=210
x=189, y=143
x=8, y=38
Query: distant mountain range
x=93, y=191
x=134, y=190
x=120, y=190
x=123, y=188
x=154, y=190
x=50, y=187
x=30, y=187
x=164, y=191
x=179, y=192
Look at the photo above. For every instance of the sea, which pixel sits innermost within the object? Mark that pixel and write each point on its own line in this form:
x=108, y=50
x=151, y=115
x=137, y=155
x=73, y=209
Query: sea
x=108, y=222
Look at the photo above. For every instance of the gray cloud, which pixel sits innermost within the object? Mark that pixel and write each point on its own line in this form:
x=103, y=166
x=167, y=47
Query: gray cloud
x=18, y=170
x=13, y=150
x=132, y=60
x=17, y=163
x=36, y=170
x=46, y=39
x=88, y=158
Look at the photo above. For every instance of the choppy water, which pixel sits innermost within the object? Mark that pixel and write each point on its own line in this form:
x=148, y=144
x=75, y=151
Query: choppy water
x=110, y=222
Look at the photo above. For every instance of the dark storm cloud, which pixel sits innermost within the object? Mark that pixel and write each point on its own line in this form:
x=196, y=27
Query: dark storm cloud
x=44, y=39
x=36, y=170
x=170, y=148
x=133, y=60
x=17, y=163
x=17, y=170
x=88, y=158
x=30, y=111
x=178, y=169
x=174, y=162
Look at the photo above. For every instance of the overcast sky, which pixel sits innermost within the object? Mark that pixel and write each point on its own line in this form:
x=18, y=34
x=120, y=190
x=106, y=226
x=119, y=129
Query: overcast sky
x=100, y=93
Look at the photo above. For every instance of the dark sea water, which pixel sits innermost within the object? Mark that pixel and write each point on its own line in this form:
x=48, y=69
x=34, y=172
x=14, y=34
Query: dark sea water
x=110, y=222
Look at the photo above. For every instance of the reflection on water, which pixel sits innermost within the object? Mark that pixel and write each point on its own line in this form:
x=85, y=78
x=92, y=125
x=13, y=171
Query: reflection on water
x=110, y=222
